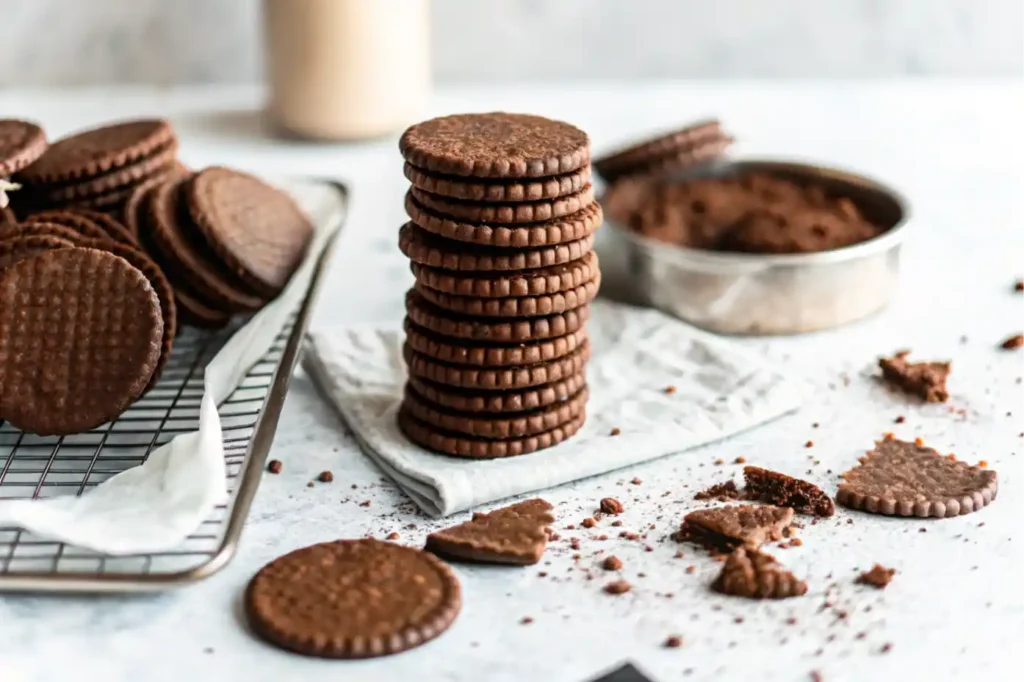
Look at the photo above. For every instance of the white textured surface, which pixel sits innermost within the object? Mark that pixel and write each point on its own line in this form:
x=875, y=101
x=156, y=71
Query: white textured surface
x=58, y=42
x=718, y=390
x=955, y=150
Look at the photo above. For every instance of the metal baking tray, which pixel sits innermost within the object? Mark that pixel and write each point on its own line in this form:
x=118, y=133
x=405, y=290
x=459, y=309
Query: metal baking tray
x=37, y=466
x=742, y=293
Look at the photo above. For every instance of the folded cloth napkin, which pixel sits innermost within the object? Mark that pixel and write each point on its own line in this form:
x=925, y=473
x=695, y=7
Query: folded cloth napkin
x=719, y=390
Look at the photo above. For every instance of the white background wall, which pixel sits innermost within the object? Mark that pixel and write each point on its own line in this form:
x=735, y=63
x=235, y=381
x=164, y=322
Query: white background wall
x=53, y=42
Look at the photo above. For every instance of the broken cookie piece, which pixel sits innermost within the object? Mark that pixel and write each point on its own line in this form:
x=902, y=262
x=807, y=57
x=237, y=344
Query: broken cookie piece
x=756, y=575
x=786, y=491
x=720, y=491
x=512, y=535
x=879, y=576
x=724, y=528
x=898, y=478
x=927, y=380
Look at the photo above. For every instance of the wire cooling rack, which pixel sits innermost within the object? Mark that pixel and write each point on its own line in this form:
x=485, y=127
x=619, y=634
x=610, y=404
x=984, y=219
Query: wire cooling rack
x=43, y=466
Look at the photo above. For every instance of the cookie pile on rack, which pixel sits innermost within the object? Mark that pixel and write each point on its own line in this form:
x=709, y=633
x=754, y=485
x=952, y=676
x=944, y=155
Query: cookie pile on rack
x=111, y=246
x=502, y=221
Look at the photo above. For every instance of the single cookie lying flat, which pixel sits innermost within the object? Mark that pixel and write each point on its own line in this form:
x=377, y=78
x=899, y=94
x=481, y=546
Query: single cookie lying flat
x=353, y=599
x=460, y=445
x=756, y=575
x=786, y=491
x=467, y=400
x=21, y=143
x=927, y=380
x=516, y=534
x=496, y=145
x=904, y=479
x=735, y=525
x=506, y=214
x=520, y=189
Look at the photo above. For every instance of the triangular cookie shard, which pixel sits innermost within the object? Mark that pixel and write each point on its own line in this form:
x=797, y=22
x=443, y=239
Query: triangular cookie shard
x=755, y=575
x=735, y=525
x=905, y=479
x=511, y=535
x=927, y=380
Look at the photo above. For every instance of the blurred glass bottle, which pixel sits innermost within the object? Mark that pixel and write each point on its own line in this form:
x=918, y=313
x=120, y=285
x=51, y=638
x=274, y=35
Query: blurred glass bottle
x=347, y=69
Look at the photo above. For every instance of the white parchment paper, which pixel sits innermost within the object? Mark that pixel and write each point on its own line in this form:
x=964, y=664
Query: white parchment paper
x=155, y=506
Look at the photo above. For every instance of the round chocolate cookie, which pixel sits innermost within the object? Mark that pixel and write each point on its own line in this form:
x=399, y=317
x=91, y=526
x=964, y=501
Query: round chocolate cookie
x=10, y=230
x=195, y=313
x=186, y=258
x=20, y=247
x=103, y=327
x=420, y=246
x=499, y=378
x=655, y=153
x=97, y=151
x=353, y=599
x=21, y=143
x=256, y=230
x=568, y=228
x=466, y=400
x=537, y=189
x=91, y=224
x=496, y=145
x=116, y=180
x=488, y=354
x=508, y=214
x=446, y=323
x=495, y=426
x=526, y=306
x=460, y=445
x=540, y=282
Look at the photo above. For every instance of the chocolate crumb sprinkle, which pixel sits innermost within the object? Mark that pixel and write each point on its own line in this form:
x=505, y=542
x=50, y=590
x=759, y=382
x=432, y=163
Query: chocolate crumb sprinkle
x=1014, y=342
x=615, y=431
x=617, y=587
x=673, y=642
x=611, y=563
x=274, y=466
x=610, y=505
x=325, y=477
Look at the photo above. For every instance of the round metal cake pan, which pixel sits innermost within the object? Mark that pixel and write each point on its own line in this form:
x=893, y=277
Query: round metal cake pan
x=761, y=294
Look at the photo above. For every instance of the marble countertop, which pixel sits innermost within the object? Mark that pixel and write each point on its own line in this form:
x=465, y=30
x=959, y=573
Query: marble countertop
x=956, y=607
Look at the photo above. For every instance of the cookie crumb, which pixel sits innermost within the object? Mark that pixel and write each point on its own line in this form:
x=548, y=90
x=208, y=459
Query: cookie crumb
x=526, y=620
x=393, y=535
x=809, y=444
x=887, y=647
x=879, y=576
x=615, y=431
x=720, y=491
x=791, y=621
x=1018, y=286
x=719, y=462
x=310, y=484
x=900, y=419
x=611, y=563
x=618, y=587
x=274, y=466
x=365, y=503
x=816, y=676
x=673, y=642
x=669, y=389
x=1014, y=342
x=636, y=480
x=610, y=505
x=691, y=568
x=741, y=460
x=325, y=476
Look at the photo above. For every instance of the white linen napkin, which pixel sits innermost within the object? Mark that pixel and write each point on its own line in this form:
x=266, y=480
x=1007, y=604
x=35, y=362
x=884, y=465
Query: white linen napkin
x=637, y=353
x=155, y=506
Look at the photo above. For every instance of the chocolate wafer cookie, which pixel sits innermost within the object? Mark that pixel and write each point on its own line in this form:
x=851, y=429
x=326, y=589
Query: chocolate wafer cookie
x=460, y=445
x=468, y=400
x=187, y=259
x=446, y=323
x=487, y=354
x=97, y=151
x=500, y=426
x=539, y=282
x=257, y=231
x=91, y=224
x=509, y=214
x=496, y=190
x=504, y=378
x=10, y=230
x=517, y=535
x=353, y=599
x=21, y=143
x=20, y=247
x=195, y=313
x=696, y=142
x=526, y=306
x=103, y=326
x=905, y=479
x=114, y=181
x=423, y=247
x=496, y=145
x=568, y=228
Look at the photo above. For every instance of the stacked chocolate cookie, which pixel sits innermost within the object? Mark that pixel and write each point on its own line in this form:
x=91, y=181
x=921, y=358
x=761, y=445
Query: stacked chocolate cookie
x=99, y=168
x=89, y=306
x=500, y=238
